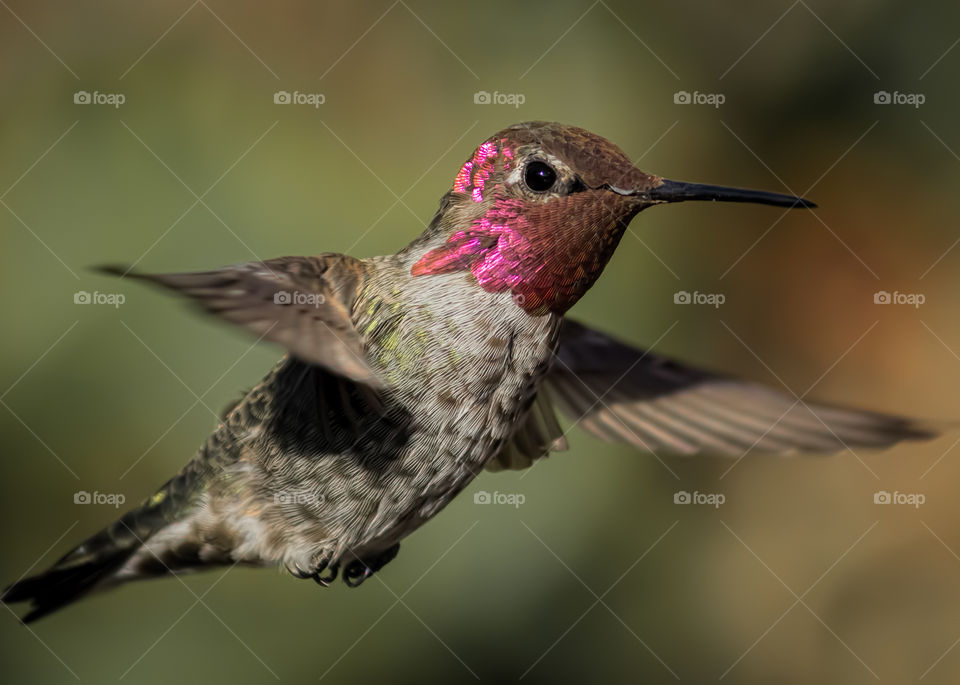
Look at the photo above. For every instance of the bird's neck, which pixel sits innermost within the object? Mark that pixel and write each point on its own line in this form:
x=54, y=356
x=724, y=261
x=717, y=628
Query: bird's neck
x=547, y=255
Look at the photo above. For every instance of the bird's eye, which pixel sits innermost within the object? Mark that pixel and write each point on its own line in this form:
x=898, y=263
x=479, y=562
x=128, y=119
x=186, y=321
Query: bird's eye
x=539, y=176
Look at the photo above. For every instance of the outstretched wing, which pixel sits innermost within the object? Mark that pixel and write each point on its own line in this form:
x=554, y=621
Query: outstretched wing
x=303, y=303
x=623, y=394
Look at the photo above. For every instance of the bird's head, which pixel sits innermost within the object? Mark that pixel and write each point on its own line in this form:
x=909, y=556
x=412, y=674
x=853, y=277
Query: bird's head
x=539, y=208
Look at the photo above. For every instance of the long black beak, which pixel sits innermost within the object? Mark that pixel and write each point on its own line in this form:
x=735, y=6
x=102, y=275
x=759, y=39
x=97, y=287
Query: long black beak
x=679, y=191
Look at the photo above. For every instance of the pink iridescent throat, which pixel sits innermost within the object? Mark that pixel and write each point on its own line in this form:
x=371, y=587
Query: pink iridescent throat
x=547, y=258
x=494, y=248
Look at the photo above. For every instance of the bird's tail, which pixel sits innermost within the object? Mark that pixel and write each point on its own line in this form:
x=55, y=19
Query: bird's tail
x=98, y=561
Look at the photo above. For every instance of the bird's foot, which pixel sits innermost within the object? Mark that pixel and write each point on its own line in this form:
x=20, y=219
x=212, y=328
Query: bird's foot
x=331, y=574
x=359, y=570
x=322, y=570
x=355, y=573
x=325, y=570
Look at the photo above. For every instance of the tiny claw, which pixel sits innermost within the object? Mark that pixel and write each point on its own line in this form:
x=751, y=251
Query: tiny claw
x=355, y=573
x=324, y=565
x=331, y=576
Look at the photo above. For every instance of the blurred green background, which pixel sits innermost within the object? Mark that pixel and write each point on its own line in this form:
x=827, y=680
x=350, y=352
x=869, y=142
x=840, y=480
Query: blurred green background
x=798, y=577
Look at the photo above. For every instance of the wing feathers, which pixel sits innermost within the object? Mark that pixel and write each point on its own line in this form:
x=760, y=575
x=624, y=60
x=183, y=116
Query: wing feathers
x=623, y=394
x=302, y=303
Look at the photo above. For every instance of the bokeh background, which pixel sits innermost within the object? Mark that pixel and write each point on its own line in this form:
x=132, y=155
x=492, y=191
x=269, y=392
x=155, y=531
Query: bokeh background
x=798, y=577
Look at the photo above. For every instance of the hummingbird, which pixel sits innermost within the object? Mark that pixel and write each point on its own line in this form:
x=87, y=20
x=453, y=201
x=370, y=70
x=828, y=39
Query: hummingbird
x=405, y=376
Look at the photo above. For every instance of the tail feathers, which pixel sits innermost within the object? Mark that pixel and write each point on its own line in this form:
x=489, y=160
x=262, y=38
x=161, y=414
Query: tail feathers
x=65, y=582
x=96, y=562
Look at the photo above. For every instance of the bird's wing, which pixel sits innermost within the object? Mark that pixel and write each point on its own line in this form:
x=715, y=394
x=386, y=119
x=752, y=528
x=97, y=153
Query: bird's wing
x=623, y=394
x=303, y=303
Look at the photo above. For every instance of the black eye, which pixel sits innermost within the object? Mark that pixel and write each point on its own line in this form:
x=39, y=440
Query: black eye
x=539, y=176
